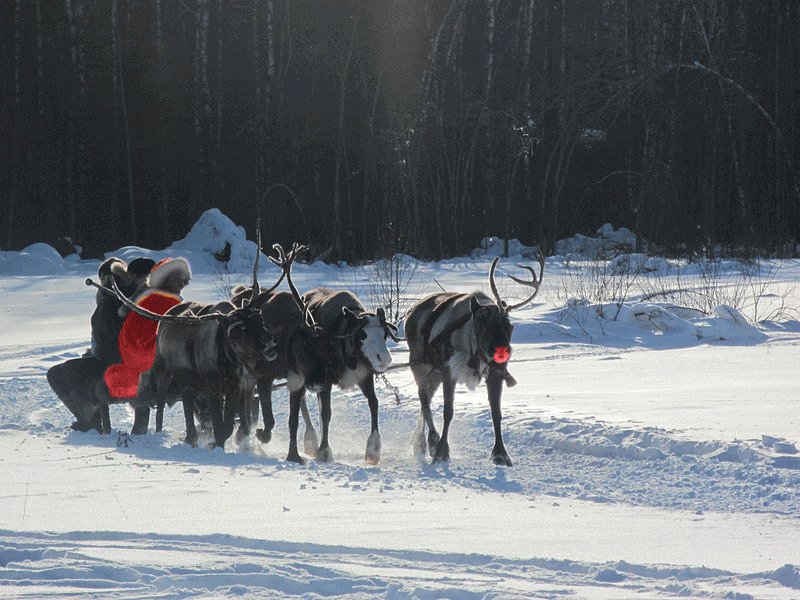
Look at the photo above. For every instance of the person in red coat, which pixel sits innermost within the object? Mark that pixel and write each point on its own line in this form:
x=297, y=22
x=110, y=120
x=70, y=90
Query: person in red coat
x=75, y=381
x=137, y=339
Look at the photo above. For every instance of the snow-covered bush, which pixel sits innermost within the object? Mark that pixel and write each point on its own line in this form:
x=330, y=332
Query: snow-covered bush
x=609, y=242
x=392, y=285
x=495, y=246
x=625, y=264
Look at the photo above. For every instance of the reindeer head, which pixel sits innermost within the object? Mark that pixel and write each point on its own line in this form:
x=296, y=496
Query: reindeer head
x=492, y=325
x=369, y=332
x=491, y=330
x=249, y=342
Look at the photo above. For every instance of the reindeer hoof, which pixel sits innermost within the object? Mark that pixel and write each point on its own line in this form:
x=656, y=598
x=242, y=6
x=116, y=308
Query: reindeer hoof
x=501, y=459
x=264, y=436
x=441, y=453
x=192, y=441
x=325, y=454
x=295, y=458
x=373, y=453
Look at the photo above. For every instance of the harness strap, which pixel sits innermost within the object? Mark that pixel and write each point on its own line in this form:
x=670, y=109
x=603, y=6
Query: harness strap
x=347, y=349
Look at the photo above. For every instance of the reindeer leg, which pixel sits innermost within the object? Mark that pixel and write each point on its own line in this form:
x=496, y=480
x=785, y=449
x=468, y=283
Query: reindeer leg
x=97, y=403
x=373, y=452
x=494, y=386
x=294, y=414
x=157, y=398
x=265, y=398
x=442, y=450
x=310, y=441
x=252, y=408
x=105, y=419
x=418, y=443
x=160, y=416
x=324, y=453
x=223, y=409
x=141, y=403
x=141, y=419
x=188, y=414
x=427, y=384
x=245, y=399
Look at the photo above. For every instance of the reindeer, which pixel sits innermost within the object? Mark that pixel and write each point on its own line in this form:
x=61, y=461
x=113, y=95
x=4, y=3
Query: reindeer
x=359, y=352
x=161, y=388
x=304, y=351
x=462, y=338
x=208, y=355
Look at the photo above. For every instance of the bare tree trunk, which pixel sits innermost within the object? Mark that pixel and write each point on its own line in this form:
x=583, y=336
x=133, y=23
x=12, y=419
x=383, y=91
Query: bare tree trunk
x=259, y=118
x=340, y=141
x=673, y=117
x=526, y=55
x=115, y=221
x=125, y=127
x=39, y=61
x=266, y=119
x=740, y=194
x=202, y=100
x=270, y=58
x=163, y=206
x=12, y=146
x=490, y=25
x=368, y=162
x=219, y=97
x=526, y=104
x=74, y=11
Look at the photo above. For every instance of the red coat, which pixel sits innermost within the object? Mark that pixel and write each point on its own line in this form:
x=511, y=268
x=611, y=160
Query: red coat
x=137, y=344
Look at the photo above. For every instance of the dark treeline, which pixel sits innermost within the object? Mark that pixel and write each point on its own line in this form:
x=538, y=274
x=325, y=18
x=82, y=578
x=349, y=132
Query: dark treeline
x=368, y=127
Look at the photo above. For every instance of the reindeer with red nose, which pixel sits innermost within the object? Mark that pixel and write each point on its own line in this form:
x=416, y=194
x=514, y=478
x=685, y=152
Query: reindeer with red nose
x=462, y=338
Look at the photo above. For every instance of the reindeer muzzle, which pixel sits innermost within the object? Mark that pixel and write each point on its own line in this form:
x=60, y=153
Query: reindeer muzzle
x=501, y=354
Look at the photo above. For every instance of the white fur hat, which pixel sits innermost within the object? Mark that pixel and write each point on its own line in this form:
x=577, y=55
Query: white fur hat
x=165, y=268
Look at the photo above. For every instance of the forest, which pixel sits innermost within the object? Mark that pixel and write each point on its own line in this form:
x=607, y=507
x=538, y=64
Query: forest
x=370, y=127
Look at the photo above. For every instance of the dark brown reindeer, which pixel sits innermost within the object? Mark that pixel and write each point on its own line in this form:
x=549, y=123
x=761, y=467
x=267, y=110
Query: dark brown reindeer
x=209, y=356
x=305, y=352
x=462, y=338
x=359, y=353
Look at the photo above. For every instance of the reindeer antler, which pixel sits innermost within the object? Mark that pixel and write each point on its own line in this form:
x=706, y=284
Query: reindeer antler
x=285, y=261
x=131, y=305
x=256, y=287
x=534, y=283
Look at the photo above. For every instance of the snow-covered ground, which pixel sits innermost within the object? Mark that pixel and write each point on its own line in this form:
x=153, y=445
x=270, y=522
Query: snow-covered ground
x=655, y=456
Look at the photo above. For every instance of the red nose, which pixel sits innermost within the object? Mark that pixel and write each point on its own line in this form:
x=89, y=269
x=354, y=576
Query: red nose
x=502, y=354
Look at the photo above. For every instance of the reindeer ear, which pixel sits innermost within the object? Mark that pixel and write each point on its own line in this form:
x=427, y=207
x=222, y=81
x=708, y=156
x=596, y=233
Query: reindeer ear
x=474, y=306
x=350, y=314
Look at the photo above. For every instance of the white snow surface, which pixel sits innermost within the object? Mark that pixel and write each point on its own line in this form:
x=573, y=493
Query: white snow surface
x=655, y=456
